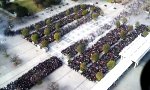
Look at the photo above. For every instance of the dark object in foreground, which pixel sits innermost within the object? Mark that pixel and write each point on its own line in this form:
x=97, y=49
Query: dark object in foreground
x=145, y=77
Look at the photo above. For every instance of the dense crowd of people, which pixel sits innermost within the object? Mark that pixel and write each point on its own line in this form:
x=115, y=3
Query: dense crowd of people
x=71, y=50
x=112, y=38
x=117, y=44
x=36, y=74
x=62, y=19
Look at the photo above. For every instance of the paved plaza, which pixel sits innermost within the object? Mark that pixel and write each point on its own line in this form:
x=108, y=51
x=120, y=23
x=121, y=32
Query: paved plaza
x=32, y=55
x=65, y=77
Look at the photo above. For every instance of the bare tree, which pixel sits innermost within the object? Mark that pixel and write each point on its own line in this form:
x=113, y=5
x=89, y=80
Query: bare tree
x=16, y=60
x=3, y=48
x=52, y=86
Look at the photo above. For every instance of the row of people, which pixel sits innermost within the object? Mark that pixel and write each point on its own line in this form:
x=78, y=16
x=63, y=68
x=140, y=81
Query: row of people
x=54, y=18
x=63, y=30
x=36, y=74
x=71, y=50
x=113, y=54
x=110, y=38
x=62, y=15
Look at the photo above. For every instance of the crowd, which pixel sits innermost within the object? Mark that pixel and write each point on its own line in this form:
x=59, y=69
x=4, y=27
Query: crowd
x=71, y=50
x=63, y=22
x=63, y=18
x=36, y=74
x=110, y=38
x=117, y=44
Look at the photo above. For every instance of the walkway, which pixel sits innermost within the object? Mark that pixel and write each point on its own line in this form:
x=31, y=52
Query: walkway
x=132, y=53
x=113, y=75
x=131, y=79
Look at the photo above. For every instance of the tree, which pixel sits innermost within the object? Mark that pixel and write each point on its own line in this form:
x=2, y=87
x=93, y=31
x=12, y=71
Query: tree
x=99, y=75
x=16, y=60
x=80, y=48
x=22, y=11
x=3, y=48
x=106, y=48
x=118, y=24
x=82, y=66
x=48, y=22
x=130, y=27
x=124, y=20
x=111, y=64
x=94, y=57
x=57, y=26
x=67, y=12
x=122, y=34
x=3, y=3
x=46, y=3
x=25, y=32
x=47, y=31
x=137, y=24
x=75, y=9
x=37, y=27
x=53, y=86
x=84, y=12
x=6, y=54
x=34, y=38
x=76, y=16
x=44, y=43
x=94, y=16
x=83, y=6
x=145, y=33
x=93, y=8
x=57, y=36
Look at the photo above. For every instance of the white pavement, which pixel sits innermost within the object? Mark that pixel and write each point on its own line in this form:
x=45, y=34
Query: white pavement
x=67, y=79
x=131, y=79
x=30, y=55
